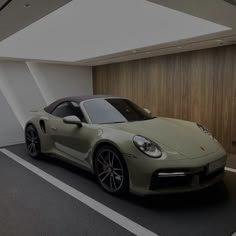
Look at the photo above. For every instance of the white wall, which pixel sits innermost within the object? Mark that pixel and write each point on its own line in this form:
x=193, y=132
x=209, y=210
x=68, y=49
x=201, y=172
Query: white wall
x=11, y=131
x=20, y=90
x=57, y=81
x=30, y=86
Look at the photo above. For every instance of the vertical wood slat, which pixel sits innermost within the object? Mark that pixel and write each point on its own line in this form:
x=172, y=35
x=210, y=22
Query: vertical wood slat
x=199, y=86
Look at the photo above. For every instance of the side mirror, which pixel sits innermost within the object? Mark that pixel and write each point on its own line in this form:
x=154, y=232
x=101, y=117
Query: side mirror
x=73, y=120
x=147, y=110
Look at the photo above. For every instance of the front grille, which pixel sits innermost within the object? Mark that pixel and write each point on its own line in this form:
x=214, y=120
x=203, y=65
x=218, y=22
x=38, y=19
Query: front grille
x=167, y=182
x=193, y=177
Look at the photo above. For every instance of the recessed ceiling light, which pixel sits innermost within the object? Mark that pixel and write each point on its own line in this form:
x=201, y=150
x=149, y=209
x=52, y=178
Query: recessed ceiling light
x=27, y=5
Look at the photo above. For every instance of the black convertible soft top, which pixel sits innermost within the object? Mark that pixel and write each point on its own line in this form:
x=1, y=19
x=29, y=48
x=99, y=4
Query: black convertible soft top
x=78, y=99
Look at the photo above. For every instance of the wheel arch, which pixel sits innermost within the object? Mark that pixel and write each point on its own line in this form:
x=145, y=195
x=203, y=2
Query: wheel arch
x=106, y=143
x=28, y=124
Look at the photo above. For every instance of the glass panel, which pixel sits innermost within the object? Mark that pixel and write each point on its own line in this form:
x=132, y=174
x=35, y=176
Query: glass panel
x=114, y=110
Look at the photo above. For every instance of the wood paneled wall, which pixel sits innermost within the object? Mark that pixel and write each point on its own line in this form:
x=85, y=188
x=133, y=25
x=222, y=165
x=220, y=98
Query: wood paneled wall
x=199, y=86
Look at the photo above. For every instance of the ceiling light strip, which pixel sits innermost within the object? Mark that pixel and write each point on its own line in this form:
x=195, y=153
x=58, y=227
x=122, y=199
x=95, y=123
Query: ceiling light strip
x=153, y=50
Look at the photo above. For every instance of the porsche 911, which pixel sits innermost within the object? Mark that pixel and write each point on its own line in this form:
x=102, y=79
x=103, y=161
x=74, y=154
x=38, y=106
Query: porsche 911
x=125, y=146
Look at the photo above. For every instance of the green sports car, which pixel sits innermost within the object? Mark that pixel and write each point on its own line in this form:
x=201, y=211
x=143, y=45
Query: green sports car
x=126, y=147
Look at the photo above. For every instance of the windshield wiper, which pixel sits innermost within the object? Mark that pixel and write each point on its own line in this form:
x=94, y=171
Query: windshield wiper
x=149, y=118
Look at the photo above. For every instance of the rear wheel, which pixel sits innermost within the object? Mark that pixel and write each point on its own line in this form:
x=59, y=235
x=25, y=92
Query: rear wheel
x=111, y=170
x=32, y=141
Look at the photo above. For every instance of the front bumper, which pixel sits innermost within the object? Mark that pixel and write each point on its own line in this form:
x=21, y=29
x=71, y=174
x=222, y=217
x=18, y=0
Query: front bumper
x=150, y=176
x=193, y=179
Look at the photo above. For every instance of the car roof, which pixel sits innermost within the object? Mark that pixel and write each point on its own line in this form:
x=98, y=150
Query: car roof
x=78, y=99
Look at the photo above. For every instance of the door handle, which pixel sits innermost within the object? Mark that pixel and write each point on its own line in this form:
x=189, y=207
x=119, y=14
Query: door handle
x=54, y=128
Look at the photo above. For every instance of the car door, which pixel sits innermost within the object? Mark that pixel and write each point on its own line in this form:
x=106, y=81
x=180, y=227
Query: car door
x=70, y=140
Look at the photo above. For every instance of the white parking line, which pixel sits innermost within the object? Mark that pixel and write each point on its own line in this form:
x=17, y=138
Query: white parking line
x=95, y=205
x=230, y=169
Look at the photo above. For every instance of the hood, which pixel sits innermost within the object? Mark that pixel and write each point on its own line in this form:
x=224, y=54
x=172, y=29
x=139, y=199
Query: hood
x=182, y=136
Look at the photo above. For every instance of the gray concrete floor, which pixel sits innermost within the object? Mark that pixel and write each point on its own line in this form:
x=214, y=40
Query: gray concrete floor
x=31, y=206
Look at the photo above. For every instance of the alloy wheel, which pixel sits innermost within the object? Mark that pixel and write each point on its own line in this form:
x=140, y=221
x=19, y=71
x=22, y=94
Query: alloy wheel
x=110, y=170
x=32, y=141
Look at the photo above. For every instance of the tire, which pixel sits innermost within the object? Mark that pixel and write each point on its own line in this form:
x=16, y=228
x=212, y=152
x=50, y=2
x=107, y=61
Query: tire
x=32, y=141
x=111, y=170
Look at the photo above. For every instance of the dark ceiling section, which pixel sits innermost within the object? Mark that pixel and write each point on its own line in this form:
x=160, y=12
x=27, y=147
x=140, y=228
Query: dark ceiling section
x=18, y=14
x=4, y=4
x=232, y=2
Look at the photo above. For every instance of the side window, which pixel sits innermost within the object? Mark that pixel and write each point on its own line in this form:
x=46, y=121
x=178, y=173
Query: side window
x=63, y=110
x=78, y=111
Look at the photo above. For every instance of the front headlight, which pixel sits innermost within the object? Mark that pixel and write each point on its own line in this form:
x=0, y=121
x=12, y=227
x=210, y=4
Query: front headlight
x=147, y=146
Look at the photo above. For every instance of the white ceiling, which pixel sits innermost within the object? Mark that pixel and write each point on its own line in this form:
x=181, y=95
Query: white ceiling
x=97, y=31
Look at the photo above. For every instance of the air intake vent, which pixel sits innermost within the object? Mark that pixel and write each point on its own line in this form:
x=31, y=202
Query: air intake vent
x=232, y=2
x=4, y=4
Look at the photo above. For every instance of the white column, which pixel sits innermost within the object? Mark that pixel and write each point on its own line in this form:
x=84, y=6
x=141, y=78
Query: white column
x=20, y=90
x=10, y=129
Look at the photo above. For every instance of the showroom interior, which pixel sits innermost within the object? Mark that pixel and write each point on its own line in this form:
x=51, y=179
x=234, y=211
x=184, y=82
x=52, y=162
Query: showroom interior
x=175, y=58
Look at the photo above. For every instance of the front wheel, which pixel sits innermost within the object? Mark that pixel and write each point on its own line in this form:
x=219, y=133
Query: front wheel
x=32, y=141
x=111, y=170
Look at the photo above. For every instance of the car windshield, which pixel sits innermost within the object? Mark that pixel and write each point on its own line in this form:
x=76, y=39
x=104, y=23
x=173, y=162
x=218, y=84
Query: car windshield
x=114, y=110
